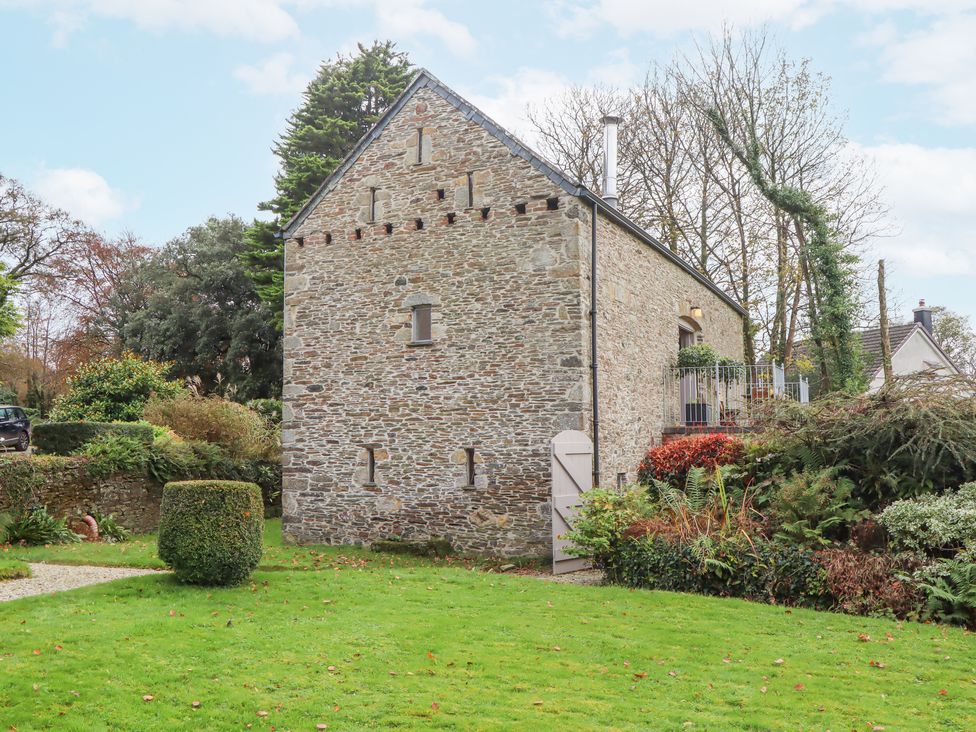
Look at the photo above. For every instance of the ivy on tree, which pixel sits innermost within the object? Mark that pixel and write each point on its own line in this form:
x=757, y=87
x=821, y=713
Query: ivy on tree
x=339, y=106
x=829, y=270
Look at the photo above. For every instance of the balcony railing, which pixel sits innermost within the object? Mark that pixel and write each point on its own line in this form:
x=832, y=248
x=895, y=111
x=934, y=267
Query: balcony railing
x=725, y=396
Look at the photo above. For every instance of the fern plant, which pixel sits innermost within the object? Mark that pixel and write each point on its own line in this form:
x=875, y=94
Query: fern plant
x=951, y=598
x=813, y=506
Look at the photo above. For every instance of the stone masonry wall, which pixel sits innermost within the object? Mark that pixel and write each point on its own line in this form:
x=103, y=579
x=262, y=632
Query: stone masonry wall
x=504, y=373
x=641, y=296
x=68, y=491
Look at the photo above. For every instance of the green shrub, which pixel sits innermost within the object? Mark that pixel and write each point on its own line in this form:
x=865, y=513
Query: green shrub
x=210, y=531
x=109, y=454
x=757, y=570
x=915, y=436
x=110, y=530
x=65, y=438
x=950, y=592
x=269, y=409
x=37, y=526
x=13, y=569
x=114, y=390
x=241, y=433
x=931, y=524
x=603, y=517
x=812, y=507
x=698, y=356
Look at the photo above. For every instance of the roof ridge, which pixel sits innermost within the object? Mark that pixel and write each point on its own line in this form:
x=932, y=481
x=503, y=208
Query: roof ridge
x=424, y=79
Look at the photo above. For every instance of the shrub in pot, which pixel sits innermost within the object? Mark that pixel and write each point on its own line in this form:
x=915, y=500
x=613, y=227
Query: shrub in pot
x=210, y=531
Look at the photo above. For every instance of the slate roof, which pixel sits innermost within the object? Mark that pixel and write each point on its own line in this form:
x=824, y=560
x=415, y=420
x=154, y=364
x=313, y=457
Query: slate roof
x=871, y=343
x=425, y=80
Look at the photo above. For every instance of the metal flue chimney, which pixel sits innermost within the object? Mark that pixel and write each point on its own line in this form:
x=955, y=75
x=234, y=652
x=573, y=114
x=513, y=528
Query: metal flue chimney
x=610, y=123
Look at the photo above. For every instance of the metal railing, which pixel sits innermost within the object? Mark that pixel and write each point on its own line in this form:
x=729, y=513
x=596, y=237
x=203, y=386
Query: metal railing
x=725, y=396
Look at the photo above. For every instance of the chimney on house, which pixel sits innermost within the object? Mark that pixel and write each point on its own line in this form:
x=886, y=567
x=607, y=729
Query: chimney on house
x=923, y=316
x=610, y=123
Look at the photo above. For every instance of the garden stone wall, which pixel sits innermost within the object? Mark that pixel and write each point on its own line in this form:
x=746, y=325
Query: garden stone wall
x=64, y=486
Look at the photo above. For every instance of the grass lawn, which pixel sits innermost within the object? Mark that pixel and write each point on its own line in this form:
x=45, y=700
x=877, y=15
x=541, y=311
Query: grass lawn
x=13, y=569
x=367, y=641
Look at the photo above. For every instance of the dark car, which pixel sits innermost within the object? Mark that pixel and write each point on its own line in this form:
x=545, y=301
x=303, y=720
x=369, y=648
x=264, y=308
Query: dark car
x=15, y=428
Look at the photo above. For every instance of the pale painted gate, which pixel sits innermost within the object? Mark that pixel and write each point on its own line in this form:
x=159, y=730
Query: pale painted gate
x=572, y=475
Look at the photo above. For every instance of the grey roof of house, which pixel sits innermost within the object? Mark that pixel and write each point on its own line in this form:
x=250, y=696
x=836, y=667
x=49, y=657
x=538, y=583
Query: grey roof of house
x=425, y=80
x=871, y=343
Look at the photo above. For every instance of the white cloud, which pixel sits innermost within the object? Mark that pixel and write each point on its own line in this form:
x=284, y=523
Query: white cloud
x=272, y=76
x=516, y=92
x=941, y=57
x=932, y=194
x=256, y=20
x=269, y=21
x=412, y=18
x=83, y=193
x=629, y=17
x=531, y=88
x=581, y=18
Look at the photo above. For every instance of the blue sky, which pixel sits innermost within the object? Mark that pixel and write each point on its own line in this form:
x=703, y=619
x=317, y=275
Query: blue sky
x=150, y=115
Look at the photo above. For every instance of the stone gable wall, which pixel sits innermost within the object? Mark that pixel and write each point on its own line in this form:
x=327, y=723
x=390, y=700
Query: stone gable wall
x=505, y=372
x=641, y=296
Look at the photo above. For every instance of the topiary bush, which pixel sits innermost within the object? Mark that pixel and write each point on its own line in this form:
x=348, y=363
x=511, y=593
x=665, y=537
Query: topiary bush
x=65, y=438
x=114, y=389
x=211, y=531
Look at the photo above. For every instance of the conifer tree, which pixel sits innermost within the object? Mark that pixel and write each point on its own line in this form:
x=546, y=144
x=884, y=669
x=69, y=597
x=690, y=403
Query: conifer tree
x=343, y=101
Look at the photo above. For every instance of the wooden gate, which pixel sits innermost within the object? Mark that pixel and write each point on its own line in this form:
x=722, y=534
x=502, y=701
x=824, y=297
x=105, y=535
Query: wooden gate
x=572, y=475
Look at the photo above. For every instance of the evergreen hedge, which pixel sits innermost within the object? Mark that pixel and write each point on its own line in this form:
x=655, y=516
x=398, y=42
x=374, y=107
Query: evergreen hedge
x=211, y=531
x=64, y=438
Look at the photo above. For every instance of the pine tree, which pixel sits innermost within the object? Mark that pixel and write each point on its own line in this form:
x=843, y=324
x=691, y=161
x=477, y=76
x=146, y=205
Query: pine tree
x=346, y=98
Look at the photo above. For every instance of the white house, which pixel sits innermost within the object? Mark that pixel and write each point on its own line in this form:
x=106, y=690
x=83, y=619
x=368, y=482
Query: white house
x=913, y=349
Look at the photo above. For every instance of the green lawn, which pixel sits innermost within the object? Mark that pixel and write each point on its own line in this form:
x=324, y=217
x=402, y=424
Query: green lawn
x=12, y=569
x=379, y=642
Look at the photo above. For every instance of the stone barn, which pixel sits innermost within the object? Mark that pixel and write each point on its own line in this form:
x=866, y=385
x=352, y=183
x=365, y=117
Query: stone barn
x=440, y=329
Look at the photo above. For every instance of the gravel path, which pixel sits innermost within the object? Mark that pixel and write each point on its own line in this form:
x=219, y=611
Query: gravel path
x=47, y=578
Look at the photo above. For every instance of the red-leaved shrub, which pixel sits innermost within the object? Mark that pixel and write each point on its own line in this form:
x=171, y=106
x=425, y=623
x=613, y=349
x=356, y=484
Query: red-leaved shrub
x=671, y=462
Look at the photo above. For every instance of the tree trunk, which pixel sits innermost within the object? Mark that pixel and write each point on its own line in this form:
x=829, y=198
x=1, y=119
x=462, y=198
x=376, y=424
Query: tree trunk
x=885, y=340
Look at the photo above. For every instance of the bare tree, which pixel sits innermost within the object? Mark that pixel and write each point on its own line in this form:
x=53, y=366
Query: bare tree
x=678, y=181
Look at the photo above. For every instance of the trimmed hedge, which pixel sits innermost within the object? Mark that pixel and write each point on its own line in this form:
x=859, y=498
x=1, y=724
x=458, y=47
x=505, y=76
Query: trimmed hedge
x=64, y=438
x=762, y=571
x=211, y=531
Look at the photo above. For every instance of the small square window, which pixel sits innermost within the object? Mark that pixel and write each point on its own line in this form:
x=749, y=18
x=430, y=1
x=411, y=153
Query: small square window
x=451, y=217
x=419, y=223
x=520, y=208
x=388, y=228
x=440, y=194
x=421, y=324
x=552, y=204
